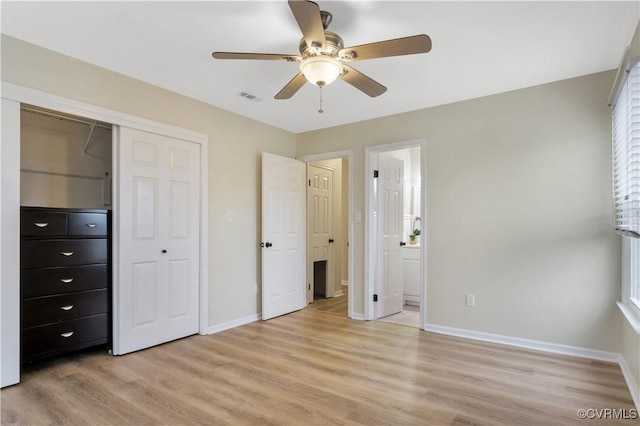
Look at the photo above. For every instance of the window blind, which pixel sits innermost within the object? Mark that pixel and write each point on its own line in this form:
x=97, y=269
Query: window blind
x=626, y=154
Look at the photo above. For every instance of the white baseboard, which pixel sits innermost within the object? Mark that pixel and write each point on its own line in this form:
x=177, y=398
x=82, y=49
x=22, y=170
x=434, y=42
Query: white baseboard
x=235, y=323
x=357, y=316
x=338, y=293
x=345, y=283
x=524, y=343
x=546, y=347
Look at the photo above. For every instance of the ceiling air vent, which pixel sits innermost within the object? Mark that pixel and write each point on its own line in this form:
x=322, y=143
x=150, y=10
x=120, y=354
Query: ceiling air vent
x=249, y=96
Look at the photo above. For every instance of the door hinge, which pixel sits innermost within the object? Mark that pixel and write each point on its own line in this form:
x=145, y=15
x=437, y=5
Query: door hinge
x=309, y=286
x=309, y=182
x=375, y=174
x=375, y=297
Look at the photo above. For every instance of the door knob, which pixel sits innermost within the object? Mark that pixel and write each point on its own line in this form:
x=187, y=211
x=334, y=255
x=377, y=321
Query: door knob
x=164, y=251
x=268, y=244
x=330, y=240
x=402, y=244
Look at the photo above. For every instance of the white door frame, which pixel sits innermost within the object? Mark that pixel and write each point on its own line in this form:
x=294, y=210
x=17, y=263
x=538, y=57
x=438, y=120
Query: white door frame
x=10, y=262
x=348, y=154
x=370, y=154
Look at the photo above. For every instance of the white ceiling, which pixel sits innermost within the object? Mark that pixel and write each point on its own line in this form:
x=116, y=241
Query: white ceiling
x=479, y=48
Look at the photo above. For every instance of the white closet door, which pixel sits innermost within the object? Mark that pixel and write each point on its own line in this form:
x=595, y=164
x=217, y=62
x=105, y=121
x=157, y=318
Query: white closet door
x=157, y=289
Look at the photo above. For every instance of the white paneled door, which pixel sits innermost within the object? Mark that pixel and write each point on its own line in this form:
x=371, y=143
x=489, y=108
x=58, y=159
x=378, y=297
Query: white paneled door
x=283, y=235
x=320, y=227
x=389, y=209
x=157, y=291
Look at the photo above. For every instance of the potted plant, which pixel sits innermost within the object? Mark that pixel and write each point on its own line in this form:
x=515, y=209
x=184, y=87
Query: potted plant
x=413, y=237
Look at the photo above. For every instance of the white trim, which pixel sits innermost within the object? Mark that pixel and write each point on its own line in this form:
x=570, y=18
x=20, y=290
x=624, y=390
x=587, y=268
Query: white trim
x=344, y=283
x=70, y=106
x=10, y=244
x=524, y=343
x=204, y=237
x=338, y=293
x=632, y=314
x=13, y=92
x=544, y=347
x=359, y=317
x=312, y=158
x=370, y=153
x=233, y=324
x=348, y=154
x=115, y=238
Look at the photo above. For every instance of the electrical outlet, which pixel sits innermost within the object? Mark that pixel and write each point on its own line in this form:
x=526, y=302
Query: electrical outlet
x=230, y=293
x=471, y=300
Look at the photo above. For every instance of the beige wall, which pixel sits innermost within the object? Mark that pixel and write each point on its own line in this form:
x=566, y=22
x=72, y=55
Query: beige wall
x=519, y=210
x=235, y=147
x=518, y=191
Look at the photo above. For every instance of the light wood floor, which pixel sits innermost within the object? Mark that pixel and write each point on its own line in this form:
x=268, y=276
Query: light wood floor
x=409, y=316
x=311, y=368
x=334, y=305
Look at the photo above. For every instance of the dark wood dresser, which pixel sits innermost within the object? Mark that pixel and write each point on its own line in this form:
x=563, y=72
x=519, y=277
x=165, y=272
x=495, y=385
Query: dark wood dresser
x=65, y=280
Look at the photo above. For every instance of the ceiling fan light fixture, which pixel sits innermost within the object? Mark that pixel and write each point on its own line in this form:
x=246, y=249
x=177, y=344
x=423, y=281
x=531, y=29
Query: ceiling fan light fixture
x=321, y=70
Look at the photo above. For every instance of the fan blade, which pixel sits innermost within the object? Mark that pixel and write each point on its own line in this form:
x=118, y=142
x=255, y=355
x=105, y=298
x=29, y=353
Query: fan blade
x=262, y=56
x=397, y=47
x=307, y=14
x=362, y=82
x=292, y=87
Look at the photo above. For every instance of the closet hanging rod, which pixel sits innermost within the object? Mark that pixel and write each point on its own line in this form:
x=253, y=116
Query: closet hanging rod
x=61, y=116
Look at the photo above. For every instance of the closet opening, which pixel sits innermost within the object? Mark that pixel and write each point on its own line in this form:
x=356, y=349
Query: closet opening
x=65, y=233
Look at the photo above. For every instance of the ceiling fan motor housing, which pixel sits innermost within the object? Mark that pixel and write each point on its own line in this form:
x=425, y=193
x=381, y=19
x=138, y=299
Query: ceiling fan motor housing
x=333, y=45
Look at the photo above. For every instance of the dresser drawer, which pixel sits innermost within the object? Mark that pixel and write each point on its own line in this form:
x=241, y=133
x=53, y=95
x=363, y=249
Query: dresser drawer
x=35, y=223
x=49, y=281
x=64, y=307
x=87, y=224
x=64, y=335
x=47, y=253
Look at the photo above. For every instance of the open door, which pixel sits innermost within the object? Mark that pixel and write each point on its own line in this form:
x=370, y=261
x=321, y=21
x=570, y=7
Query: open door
x=283, y=235
x=320, y=230
x=389, y=209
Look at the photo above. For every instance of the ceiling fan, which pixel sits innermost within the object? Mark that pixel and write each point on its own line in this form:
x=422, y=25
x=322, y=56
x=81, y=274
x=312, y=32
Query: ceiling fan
x=323, y=57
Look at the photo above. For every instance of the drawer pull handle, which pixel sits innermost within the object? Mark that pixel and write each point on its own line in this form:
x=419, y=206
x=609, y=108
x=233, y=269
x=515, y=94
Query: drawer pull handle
x=66, y=308
x=41, y=224
x=91, y=225
x=66, y=280
x=66, y=253
x=67, y=334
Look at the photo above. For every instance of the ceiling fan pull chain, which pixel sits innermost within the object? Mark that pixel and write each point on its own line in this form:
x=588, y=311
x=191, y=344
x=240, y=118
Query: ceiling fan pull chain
x=320, y=110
